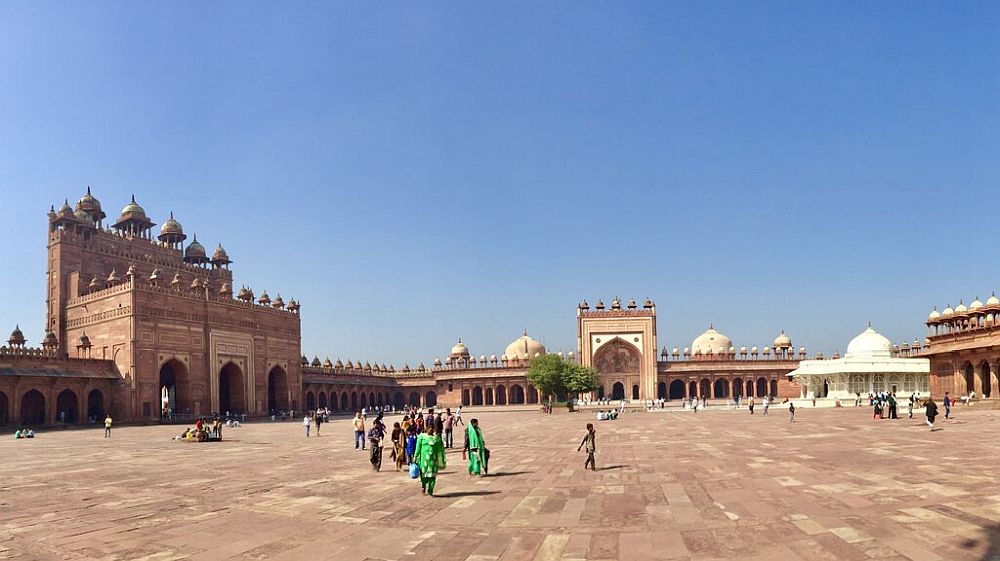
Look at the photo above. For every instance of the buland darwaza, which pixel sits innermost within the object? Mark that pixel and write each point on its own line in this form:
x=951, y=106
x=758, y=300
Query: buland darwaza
x=147, y=326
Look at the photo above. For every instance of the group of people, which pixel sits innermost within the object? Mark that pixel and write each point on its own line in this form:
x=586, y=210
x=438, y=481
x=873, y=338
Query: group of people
x=203, y=430
x=609, y=415
x=24, y=433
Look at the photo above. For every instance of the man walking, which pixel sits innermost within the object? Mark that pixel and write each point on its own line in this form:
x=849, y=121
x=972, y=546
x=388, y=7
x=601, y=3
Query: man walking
x=791, y=412
x=750, y=405
x=306, y=423
x=931, y=412
x=449, y=423
x=107, y=426
x=591, y=447
x=892, y=406
x=359, y=431
x=947, y=406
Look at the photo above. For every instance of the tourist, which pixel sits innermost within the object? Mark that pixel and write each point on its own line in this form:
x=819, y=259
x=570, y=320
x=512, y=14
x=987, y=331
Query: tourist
x=359, y=430
x=931, y=411
x=306, y=423
x=318, y=420
x=947, y=406
x=107, y=426
x=767, y=404
x=475, y=448
x=909, y=406
x=590, y=442
x=791, y=412
x=430, y=457
x=877, y=408
x=750, y=405
x=439, y=425
x=398, y=436
x=892, y=406
x=449, y=429
x=411, y=443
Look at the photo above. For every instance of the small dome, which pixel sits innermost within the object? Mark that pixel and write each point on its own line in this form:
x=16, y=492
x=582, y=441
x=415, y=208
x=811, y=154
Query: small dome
x=16, y=337
x=947, y=311
x=753, y=350
x=584, y=305
x=305, y=360
x=195, y=252
x=493, y=358
x=66, y=211
x=219, y=256
x=648, y=304
x=616, y=304
x=338, y=364
x=89, y=204
x=316, y=363
x=437, y=362
x=327, y=363
x=524, y=347
x=482, y=358
x=782, y=341
x=113, y=277
x=934, y=314
x=84, y=341
x=976, y=304
x=264, y=299
x=869, y=343
x=599, y=305
x=278, y=303
x=84, y=217
x=350, y=364
x=710, y=340
x=460, y=350
x=743, y=350
x=134, y=209
x=631, y=304
x=406, y=367
x=49, y=340
x=171, y=228
x=993, y=300
x=960, y=308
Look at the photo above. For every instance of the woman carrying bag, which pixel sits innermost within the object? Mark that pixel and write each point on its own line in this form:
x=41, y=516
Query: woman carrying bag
x=429, y=458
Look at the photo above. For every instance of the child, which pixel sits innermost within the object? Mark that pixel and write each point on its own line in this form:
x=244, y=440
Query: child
x=591, y=443
x=791, y=412
x=411, y=444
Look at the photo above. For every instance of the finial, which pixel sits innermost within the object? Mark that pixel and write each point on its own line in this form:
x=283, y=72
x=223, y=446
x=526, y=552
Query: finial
x=88, y=192
x=525, y=333
x=133, y=198
x=869, y=324
x=711, y=326
x=171, y=215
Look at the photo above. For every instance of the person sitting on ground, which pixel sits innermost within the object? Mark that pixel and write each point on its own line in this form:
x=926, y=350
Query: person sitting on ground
x=17, y=434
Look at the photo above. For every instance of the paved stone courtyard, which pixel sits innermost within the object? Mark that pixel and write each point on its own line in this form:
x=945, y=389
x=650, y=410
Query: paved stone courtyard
x=673, y=485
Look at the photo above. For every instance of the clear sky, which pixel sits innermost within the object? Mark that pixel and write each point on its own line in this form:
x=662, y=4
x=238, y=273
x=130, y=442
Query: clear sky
x=415, y=172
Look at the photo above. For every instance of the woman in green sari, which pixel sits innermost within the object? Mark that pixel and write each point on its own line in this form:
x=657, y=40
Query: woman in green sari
x=429, y=455
x=475, y=447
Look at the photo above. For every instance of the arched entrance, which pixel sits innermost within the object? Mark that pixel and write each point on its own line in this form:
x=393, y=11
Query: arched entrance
x=693, y=389
x=371, y=399
x=501, y=395
x=635, y=392
x=489, y=396
x=345, y=402
x=477, y=395
x=618, y=391
x=532, y=394
x=277, y=390
x=737, y=388
x=399, y=400
x=95, y=405
x=322, y=399
x=415, y=399
x=466, y=400
x=364, y=400
x=774, y=388
x=705, y=388
x=761, y=387
x=174, y=388
x=721, y=388
x=516, y=395
x=970, y=382
x=750, y=388
x=354, y=401
x=677, y=389
x=232, y=390
x=67, y=407
x=33, y=408
x=661, y=390
x=600, y=392
x=310, y=401
x=4, y=409
x=431, y=399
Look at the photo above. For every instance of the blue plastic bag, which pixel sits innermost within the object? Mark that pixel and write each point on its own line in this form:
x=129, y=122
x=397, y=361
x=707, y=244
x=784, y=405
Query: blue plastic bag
x=414, y=471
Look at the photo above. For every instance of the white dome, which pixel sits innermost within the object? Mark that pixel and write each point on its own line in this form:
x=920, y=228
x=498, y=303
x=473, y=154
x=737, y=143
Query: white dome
x=782, y=341
x=869, y=344
x=934, y=314
x=947, y=311
x=976, y=304
x=524, y=347
x=710, y=340
x=460, y=350
x=993, y=300
x=960, y=308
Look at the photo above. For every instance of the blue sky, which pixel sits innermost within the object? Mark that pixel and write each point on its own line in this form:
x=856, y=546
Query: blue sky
x=414, y=172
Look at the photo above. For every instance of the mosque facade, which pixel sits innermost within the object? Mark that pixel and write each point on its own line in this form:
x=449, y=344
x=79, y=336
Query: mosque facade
x=963, y=346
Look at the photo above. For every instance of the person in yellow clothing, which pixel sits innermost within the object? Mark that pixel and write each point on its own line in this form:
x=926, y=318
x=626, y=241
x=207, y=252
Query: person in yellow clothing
x=107, y=426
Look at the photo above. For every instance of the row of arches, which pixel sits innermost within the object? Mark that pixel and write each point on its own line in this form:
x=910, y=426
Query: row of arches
x=34, y=410
x=176, y=394
x=705, y=388
x=352, y=400
x=981, y=379
x=500, y=395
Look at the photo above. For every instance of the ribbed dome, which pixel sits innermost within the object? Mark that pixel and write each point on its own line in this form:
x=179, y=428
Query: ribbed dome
x=171, y=226
x=195, y=252
x=89, y=204
x=66, y=211
x=460, y=350
x=947, y=311
x=869, y=343
x=16, y=336
x=709, y=341
x=976, y=304
x=782, y=341
x=220, y=255
x=960, y=308
x=524, y=348
x=993, y=300
x=50, y=339
x=934, y=314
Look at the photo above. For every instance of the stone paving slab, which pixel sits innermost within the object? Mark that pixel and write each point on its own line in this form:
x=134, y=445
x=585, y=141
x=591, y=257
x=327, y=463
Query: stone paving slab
x=835, y=485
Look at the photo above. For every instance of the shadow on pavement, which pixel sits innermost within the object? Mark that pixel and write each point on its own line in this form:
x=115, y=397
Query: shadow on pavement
x=465, y=494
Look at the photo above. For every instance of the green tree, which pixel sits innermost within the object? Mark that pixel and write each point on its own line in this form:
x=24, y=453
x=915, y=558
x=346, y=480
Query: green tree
x=579, y=379
x=546, y=374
